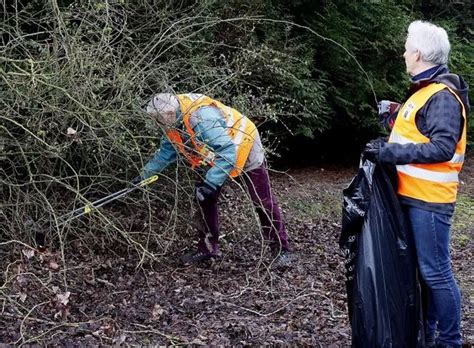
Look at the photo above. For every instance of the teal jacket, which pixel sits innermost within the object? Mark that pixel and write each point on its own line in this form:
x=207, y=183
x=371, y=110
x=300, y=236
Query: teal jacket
x=210, y=128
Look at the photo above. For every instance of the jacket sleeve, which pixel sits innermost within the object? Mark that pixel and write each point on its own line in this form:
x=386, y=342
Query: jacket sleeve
x=209, y=127
x=163, y=157
x=442, y=126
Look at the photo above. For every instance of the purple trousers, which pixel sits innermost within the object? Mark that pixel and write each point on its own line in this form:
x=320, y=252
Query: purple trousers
x=266, y=205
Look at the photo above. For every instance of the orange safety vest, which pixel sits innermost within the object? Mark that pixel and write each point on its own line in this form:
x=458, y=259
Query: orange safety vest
x=240, y=129
x=436, y=182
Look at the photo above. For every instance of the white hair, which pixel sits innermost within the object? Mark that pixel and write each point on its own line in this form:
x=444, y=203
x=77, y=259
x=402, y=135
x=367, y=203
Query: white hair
x=430, y=40
x=162, y=103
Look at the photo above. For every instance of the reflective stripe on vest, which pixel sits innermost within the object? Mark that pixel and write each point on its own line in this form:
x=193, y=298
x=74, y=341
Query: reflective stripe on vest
x=397, y=138
x=428, y=174
x=240, y=129
x=437, y=182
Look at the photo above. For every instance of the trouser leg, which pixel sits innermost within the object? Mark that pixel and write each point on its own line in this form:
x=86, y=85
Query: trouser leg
x=266, y=205
x=431, y=235
x=208, y=224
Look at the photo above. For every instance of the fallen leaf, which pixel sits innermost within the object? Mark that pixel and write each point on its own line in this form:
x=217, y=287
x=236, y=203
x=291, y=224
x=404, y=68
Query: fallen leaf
x=120, y=339
x=97, y=333
x=53, y=265
x=157, y=312
x=73, y=135
x=107, y=329
x=63, y=298
x=22, y=297
x=22, y=280
x=198, y=342
x=29, y=253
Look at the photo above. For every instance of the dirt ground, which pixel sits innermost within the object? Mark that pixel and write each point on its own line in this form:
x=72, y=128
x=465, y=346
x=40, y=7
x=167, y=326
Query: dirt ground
x=110, y=297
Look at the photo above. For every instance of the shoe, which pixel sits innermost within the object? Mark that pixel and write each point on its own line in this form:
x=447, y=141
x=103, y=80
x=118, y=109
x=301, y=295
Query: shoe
x=196, y=256
x=283, y=259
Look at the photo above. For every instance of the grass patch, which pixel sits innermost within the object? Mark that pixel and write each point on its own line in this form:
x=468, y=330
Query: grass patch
x=463, y=220
x=325, y=205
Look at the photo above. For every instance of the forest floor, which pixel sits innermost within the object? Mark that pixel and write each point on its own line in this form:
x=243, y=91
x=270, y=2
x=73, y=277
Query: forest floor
x=106, y=298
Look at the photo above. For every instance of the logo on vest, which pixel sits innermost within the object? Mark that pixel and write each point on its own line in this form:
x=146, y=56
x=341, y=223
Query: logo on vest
x=195, y=96
x=408, y=109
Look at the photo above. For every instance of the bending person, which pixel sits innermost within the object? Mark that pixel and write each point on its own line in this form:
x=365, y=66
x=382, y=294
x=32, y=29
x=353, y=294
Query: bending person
x=223, y=143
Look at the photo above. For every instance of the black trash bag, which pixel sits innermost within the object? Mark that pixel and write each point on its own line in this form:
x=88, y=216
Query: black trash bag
x=381, y=282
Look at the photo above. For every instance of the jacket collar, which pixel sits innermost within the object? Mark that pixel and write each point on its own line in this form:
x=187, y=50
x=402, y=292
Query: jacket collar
x=430, y=73
x=426, y=77
x=440, y=73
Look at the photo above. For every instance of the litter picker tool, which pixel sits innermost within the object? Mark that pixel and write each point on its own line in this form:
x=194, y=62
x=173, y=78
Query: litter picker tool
x=90, y=207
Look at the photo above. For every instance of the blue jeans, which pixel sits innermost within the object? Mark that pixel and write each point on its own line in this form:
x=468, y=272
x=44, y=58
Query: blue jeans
x=430, y=233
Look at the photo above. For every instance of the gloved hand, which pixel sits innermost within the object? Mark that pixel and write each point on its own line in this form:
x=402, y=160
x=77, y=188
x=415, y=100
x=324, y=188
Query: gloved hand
x=388, y=113
x=372, y=150
x=137, y=180
x=204, y=192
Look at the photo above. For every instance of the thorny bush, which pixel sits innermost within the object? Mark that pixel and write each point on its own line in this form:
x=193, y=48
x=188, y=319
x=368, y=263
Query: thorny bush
x=75, y=78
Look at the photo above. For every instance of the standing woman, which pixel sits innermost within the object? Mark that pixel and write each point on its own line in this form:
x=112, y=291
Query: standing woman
x=427, y=144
